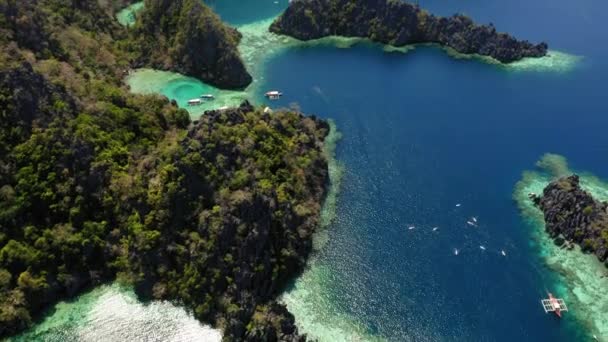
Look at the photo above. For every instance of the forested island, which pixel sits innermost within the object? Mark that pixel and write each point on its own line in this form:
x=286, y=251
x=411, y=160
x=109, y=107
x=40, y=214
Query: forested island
x=186, y=36
x=98, y=185
x=399, y=23
x=572, y=215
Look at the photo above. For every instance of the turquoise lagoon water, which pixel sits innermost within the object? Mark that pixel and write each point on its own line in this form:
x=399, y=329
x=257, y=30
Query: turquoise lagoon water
x=113, y=313
x=127, y=16
x=181, y=89
x=429, y=140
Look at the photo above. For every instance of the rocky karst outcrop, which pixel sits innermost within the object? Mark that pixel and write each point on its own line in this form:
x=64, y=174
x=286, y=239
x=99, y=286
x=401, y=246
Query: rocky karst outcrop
x=186, y=36
x=398, y=23
x=572, y=214
x=218, y=217
x=240, y=226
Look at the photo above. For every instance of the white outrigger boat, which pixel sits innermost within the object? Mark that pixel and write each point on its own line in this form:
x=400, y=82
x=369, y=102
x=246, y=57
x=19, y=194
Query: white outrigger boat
x=273, y=95
x=195, y=102
x=208, y=97
x=555, y=305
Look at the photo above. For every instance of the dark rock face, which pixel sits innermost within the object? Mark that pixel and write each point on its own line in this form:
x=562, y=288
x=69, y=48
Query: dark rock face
x=187, y=37
x=574, y=215
x=30, y=100
x=399, y=23
x=278, y=325
x=27, y=101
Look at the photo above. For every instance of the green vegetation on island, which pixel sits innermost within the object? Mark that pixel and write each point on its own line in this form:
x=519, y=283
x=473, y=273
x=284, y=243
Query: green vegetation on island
x=98, y=184
x=399, y=23
x=186, y=36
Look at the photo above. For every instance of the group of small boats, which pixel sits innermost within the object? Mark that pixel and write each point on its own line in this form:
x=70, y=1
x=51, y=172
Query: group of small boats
x=483, y=248
x=550, y=304
x=271, y=95
x=473, y=222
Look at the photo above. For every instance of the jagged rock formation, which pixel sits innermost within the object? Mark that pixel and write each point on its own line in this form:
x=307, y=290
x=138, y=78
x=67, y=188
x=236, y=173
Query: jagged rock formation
x=572, y=214
x=236, y=219
x=186, y=36
x=398, y=23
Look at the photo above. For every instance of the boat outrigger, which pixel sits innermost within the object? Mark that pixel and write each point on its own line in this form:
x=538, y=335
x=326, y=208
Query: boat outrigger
x=273, y=95
x=555, y=305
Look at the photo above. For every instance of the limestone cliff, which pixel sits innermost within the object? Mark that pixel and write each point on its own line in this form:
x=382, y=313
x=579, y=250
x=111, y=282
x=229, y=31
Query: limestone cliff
x=573, y=214
x=186, y=36
x=398, y=23
x=236, y=219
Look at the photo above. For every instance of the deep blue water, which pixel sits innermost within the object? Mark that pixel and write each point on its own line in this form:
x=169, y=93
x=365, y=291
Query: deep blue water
x=423, y=132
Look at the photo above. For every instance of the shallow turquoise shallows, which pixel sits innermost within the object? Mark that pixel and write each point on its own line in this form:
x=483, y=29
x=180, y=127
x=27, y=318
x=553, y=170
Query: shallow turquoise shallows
x=128, y=15
x=112, y=313
x=431, y=141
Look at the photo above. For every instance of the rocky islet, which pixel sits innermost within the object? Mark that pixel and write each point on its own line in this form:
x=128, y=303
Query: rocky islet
x=400, y=23
x=572, y=215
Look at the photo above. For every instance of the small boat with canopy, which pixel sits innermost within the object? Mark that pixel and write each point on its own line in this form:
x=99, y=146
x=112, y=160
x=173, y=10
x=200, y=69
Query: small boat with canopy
x=273, y=95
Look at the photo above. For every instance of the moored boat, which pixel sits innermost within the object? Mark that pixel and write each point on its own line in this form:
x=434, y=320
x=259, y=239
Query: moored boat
x=195, y=102
x=554, y=305
x=273, y=94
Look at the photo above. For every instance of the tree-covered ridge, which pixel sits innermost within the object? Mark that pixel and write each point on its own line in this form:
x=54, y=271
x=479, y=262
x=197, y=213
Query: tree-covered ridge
x=59, y=188
x=98, y=184
x=60, y=193
x=572, y=214
x=231, y=218
x=188, y=37
x=183, y=36
x=399, y=23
